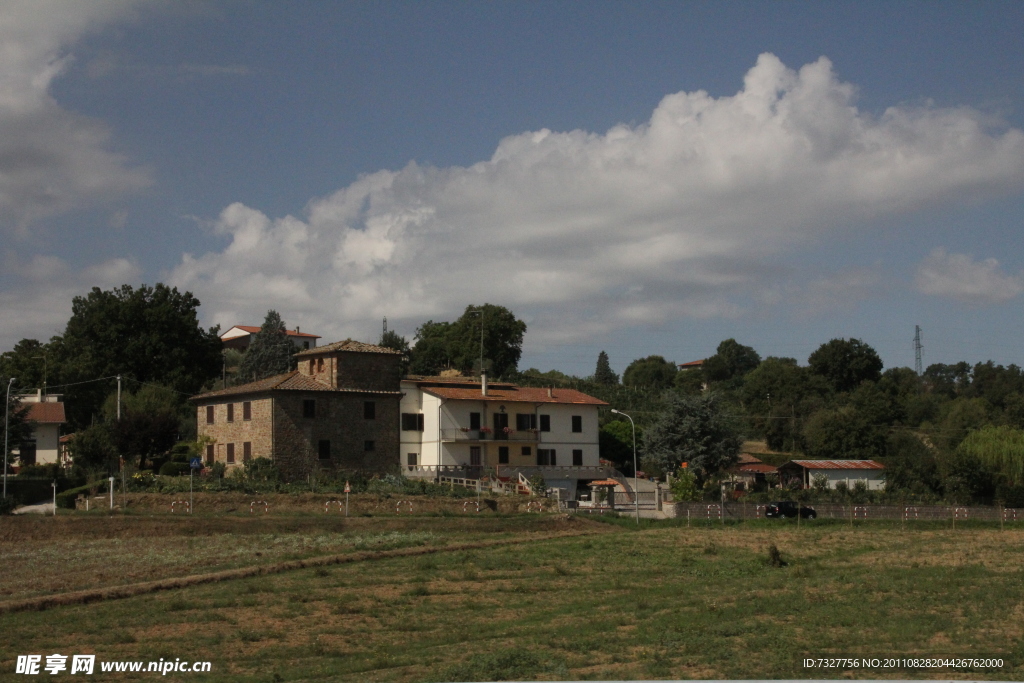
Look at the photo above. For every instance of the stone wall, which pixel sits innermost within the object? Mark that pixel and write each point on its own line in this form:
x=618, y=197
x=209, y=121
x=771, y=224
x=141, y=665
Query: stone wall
x=339, y=420
x=372, y=371
x=257, y=431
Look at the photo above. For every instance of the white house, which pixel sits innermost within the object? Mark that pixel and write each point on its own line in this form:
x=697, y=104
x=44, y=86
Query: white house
x=849, y=471
x=239, y=337
x=470, y=426
x=46, y=413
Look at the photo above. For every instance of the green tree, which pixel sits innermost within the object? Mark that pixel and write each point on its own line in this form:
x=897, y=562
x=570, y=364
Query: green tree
x=390, y=339
x=270, y=352
x=603, y=374
x=846, y=363
x=17, y=424
x=93, y=448
x=684, y=486
x=150, y=334
x=778, y=394
x=731, y=362
x=910, y=465
x=1000, y=449
x=652, y=371
x=843, y=434
x=457, y=345
x=150, y=424
x=692, y=429
x=948, y=380
x=31, y=363
x=615, y=441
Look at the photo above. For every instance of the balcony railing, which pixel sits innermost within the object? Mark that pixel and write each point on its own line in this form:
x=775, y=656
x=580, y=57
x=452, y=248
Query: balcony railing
x=459, y=434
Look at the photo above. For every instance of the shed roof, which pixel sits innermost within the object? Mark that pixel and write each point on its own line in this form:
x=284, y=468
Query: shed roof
x=512, y=393
x=49, y=412
x=837, y=464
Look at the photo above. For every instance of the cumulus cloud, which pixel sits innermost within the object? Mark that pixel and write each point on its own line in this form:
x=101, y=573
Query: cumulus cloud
x=39, y=306
x=961, y=277
x=672, y=218
x=51, y=160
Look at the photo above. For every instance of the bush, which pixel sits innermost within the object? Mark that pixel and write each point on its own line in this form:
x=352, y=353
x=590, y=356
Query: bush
x=174, y=469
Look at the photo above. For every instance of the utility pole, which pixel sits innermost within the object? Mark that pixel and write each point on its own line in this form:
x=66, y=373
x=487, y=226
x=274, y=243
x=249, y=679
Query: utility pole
x=44, y=370
x=7, y=422
x=917, y=350
x=119, y=398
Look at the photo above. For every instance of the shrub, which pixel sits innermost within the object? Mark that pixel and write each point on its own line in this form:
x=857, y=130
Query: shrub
x=174, y=469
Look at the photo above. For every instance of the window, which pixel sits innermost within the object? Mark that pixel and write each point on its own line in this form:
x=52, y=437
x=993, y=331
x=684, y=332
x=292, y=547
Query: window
x=577, y=457
x=319, y=364
x=323, y=449
x=247, y=451
x=305, y=345
x=545, y=423
x=230, y=450
x=525, y=421
x=546, y=457
x=247, y=410
x=209, y=415
x=502, y=455
x=231, y=412
x=474, y=420
x=368, y=446
x=309, y=407
x=311, y=366
x=369, y=410
x=412, y=422
x=412, y=459
x=209, y=454
x=474, y=456
x=526, y=450
x=577, y=423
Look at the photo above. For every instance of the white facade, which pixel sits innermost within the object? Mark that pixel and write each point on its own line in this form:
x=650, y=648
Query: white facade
x=874, y=479
x=47, y=415
x=461, y=427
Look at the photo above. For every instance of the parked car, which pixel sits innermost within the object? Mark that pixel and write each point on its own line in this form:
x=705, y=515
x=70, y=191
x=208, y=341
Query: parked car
x=787, y=508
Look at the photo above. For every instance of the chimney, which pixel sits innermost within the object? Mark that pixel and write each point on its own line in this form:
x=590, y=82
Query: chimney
x=550, y=393
x=483, y=383
x=39, y=395
x=297, y=329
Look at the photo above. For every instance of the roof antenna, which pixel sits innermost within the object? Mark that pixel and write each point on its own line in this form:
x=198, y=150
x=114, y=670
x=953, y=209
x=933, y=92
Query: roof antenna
x=385, y=325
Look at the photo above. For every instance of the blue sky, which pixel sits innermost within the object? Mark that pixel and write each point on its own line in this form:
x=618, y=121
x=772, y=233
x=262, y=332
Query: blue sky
x=644, y=178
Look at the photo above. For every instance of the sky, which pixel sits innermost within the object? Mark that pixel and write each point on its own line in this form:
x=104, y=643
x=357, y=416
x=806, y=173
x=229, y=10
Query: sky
x=636, y=177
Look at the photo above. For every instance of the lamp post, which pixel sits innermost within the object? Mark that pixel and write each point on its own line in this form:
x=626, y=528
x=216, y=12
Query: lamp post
x=7, y=422
x=636, y=492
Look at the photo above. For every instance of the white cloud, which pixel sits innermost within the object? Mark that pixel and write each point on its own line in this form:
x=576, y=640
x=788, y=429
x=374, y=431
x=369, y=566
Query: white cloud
x=643, y=224
x=961, y=277
x=40, y=305
x=51, y=159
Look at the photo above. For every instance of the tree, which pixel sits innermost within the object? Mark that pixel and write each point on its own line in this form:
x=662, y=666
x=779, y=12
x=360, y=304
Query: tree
x=603, y=374
x=653, y=371
x=692, y=429
x=731, y=361
x=1000, y=449
x=777, y=394
x=150, y=334
x=390, y=339
x=843, y=434
x=150, y=424
x=457, y=345
x=615, y=441
x=270, y=352
x=948, y=380
x=17, y=424
x=846, y=363
x=93, y=448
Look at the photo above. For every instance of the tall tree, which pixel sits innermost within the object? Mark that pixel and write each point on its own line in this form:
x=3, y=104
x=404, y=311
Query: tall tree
x=18, y=427
x=731, y=361
x=270, y=352
x=652, y=371
x=695, y=430
x=603, y=374
x=457, y=345
x=151, y=334
x=846, y=363
x=390, y=339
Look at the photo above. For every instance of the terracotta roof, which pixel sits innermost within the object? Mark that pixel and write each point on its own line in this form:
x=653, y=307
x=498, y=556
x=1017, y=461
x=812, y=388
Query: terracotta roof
x=347, y=345
x=253, y=330
x=46, y=413
x=513, y=393
x=747, y=459
x=692, y=364
x=470, y=381
x=289, y=381
x=838, y=464
x=604, y=482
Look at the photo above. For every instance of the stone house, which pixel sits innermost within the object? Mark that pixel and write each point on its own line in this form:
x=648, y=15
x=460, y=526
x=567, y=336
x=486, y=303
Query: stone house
x=338, y=411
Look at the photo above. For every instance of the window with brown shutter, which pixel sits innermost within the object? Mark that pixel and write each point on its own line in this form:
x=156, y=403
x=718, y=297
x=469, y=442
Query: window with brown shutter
x=577, y=457
x=209, y=415
x=246, y=451
x=230, y=448
x=209, y=454
x=247, y=410
x=231, y=412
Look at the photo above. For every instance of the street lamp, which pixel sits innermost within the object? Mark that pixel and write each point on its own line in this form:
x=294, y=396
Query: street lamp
x=7, y=422
x=636, y=492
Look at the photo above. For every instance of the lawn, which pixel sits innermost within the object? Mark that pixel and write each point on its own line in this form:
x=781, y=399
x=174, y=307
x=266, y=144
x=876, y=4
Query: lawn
x=665, y=601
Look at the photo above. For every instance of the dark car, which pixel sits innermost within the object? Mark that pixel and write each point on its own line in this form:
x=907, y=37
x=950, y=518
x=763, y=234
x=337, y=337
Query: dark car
x=786, y=508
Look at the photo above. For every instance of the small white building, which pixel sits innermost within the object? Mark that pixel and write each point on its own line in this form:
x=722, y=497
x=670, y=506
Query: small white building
x=46, y=414
x=475, y=427
x=240, y=336
x=849, y=471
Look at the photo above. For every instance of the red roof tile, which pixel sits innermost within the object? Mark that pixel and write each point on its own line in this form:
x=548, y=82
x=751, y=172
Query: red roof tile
x=347, y=345
x=838, y=464
x=46, y=413
x=289, y=381
x=291, y=333
x=512, y=393
x=692, y=364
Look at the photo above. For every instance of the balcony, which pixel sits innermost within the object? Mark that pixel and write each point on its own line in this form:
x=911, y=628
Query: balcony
x=459, y=435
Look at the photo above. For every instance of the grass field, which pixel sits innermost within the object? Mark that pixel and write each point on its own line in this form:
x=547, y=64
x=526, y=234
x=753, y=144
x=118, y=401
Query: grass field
x=664, y=601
